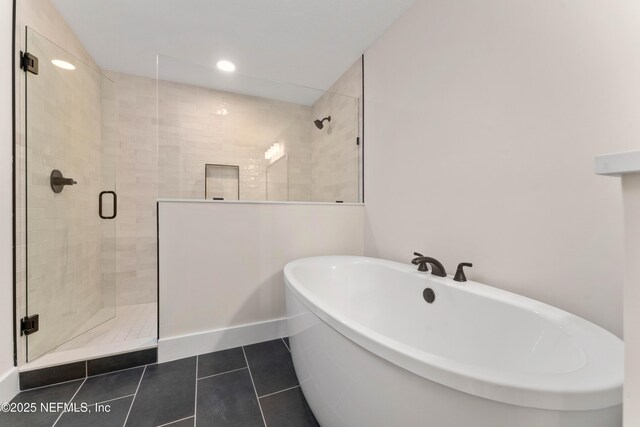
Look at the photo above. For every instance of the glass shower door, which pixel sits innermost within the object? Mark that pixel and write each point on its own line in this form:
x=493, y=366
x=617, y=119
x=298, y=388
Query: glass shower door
x=70, y=196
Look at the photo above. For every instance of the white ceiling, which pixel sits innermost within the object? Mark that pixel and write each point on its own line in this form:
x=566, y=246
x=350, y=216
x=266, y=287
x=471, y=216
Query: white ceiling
x=305, y=42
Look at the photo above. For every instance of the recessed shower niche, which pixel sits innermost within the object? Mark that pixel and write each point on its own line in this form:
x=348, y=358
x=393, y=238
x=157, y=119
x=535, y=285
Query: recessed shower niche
x=222, y=182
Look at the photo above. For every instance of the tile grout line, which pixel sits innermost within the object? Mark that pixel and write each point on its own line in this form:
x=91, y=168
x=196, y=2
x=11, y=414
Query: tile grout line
x=115, y=398
x=195, y=403
x=177, y=421
x=254, y=386
x=134, y=396
x=285, y=344
x=70, y=400
x=222, y=373
x=279, y=391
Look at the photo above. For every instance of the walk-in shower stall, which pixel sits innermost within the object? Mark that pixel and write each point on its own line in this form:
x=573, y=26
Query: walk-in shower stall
x=99, y=145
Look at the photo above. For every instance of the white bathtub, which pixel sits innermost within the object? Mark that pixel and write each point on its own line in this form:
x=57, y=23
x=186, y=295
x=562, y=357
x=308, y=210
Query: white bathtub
x=370, y=351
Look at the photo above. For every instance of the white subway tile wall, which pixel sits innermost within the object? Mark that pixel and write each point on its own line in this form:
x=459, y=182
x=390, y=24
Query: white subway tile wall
x=277, y=179
x=137, y=187
x=199, y=126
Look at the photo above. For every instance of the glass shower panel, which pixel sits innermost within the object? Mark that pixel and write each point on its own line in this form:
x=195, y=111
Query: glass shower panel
x=335, y=150
x=208, y=116
x=70, y=193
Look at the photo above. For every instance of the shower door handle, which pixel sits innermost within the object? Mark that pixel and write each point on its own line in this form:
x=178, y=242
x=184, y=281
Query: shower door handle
x=115, y=204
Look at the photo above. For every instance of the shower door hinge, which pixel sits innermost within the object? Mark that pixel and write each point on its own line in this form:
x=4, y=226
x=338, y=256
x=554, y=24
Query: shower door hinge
x=357, y=140
x=29, y=324
x=29, y=62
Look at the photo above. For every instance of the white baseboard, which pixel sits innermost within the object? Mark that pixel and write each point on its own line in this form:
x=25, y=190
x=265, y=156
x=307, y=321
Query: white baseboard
x=9, y=385
x=178, y=347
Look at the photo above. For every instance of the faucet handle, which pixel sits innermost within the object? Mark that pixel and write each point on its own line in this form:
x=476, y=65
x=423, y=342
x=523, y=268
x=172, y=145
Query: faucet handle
x=460, y=276
x=420, y=262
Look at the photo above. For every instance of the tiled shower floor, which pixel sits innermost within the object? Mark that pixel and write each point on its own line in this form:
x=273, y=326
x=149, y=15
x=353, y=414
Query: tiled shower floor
x=254, y=385
x=132, y=322
x=133, y=328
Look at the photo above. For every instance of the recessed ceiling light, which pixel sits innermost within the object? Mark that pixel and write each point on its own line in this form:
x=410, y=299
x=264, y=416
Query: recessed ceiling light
x=225, y=65
x=63, y=64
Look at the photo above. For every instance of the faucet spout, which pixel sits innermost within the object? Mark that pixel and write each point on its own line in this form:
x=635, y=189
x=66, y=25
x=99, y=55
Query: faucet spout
x=437, y=269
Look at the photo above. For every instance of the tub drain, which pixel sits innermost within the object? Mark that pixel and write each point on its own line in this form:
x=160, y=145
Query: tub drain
x=428, y=295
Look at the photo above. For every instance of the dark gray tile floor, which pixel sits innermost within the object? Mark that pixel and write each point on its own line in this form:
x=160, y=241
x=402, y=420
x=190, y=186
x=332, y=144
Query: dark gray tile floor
x=254, y=385
x=271, y=367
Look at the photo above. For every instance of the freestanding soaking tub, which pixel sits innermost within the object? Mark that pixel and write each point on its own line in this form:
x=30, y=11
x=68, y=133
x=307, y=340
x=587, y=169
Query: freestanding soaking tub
x=370, y=351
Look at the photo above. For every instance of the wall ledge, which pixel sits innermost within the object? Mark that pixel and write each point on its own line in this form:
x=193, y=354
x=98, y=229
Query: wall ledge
x=255, y=202
x=618, y=164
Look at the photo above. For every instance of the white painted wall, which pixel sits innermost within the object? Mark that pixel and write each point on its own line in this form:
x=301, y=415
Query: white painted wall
x=8, y=376
x=631, y=189
x=221, y=267
x=482, y=122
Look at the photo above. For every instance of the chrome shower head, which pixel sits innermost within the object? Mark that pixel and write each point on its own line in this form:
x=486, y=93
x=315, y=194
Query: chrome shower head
x=319, y=123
